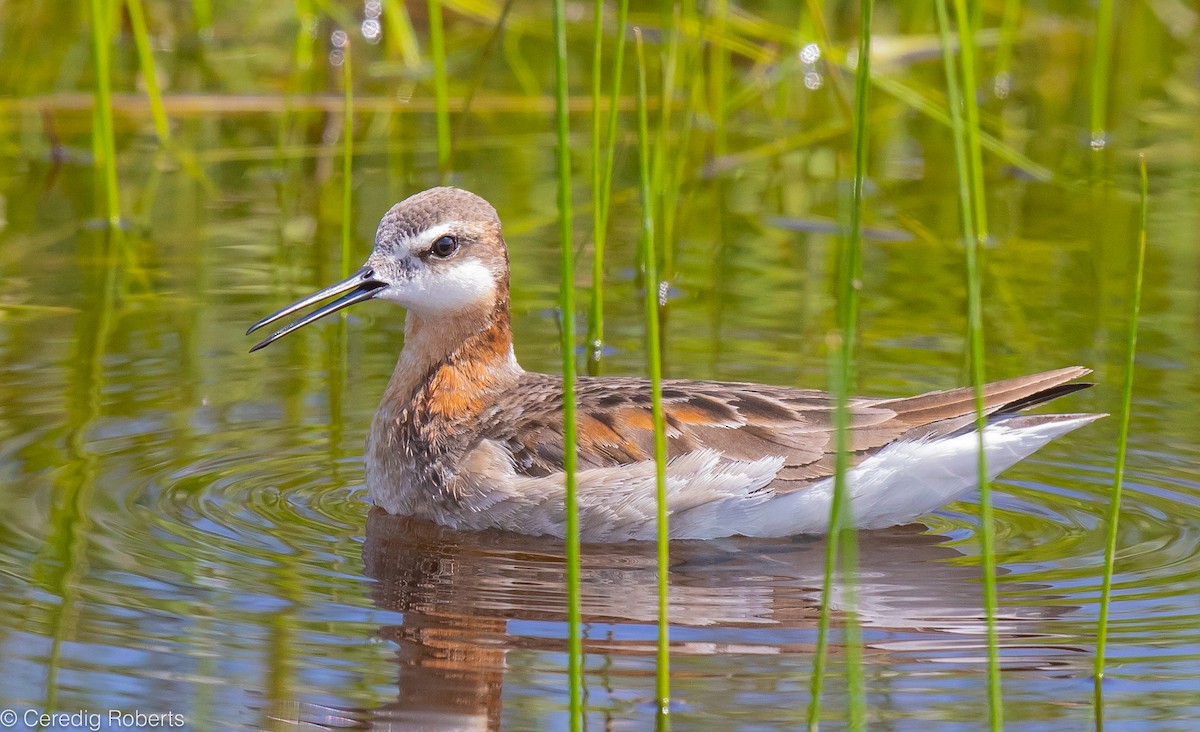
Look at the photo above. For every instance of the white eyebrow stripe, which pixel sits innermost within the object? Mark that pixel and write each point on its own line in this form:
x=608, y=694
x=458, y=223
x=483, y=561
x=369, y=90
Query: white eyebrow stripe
x=427, y=237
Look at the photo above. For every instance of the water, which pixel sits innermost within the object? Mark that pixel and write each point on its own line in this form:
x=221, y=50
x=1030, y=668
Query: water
x=185, y=527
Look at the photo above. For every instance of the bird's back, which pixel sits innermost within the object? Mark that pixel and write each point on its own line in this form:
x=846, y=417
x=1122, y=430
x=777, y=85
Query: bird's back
x=741, y=421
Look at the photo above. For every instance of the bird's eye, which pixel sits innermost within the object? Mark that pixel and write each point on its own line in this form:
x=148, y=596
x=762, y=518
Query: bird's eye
x=444, y=247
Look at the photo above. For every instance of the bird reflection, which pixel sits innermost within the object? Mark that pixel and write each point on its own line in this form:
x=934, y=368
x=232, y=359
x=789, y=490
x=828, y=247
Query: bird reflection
x=461, y=592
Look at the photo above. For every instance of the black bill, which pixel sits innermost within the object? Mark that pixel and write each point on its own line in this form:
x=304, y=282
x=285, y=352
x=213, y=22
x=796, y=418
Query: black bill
x=362, y=285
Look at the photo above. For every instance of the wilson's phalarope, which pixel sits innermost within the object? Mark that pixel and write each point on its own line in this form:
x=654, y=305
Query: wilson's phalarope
x=466, y=438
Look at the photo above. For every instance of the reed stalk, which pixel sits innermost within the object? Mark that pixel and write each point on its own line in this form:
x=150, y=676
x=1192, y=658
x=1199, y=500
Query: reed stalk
x=141, y=38
x=70, y=536
x=970, y=107
x=340, y=353
x=566, y=301
x=659, y=174
x=485, y=61
x=674, y=158
x=662, y=677
x=817, y=15
x=202, y=16
x=719, y=77
x=1100, y=64
x=842, y=539
x=441, y=94
x=1114, y=501
x=400, y=36
x=302, y=58
x=603, y=160
x=103, y=142
x=1010, y=20
x=973, y=160
x=681, y=161
x=347, y=154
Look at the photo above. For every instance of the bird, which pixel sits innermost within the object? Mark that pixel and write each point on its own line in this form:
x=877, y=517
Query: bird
x=466, y=438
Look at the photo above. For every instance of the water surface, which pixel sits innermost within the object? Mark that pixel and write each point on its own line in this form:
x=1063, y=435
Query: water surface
x=185, y=526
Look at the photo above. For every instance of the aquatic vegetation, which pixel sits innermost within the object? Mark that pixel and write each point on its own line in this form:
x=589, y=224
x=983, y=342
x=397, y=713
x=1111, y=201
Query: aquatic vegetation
x=770, y=202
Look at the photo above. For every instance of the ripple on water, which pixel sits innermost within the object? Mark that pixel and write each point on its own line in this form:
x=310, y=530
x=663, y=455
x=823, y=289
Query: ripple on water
x=224, y=550
x=255, y=508
x=249, y=516
x=1052, y=534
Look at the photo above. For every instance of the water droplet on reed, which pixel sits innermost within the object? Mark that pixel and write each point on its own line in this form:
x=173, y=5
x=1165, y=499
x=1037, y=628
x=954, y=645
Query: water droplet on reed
x=371, y=30
x=1002, y=85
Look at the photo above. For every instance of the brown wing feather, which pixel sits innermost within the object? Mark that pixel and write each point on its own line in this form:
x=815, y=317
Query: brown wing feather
x=742, y=421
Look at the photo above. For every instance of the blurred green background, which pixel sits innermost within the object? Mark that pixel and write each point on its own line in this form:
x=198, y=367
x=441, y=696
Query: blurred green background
x=185, y=527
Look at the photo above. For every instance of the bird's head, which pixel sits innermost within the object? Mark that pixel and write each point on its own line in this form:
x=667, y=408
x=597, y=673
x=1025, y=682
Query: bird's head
x=438, y=253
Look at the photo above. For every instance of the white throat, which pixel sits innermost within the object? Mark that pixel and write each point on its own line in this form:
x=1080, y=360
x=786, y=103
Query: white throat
x=461, y=286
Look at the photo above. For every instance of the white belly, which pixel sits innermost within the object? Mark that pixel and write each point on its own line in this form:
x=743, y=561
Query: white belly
x=710, y=497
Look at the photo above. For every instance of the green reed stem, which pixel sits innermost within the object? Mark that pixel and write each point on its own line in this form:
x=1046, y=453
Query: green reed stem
x=104, y=146
x=957, y=127
x=339, y=354
x=842, y=538
x=817, y=15
x=141, y=38
x=666, y=184
x=614, y=104
x=202, y=16
x=1009, y=23
x=662, y=676
x=673, y=182
x=603, y=160
x=933, y=110
x=306, y=19
x=70, y=519
x=566, y=301
x=966, y=42
x=597, y=170
x=441, y=94
x=1114, y=503
x=850, y=285
x=1100, y=64
x=347, y=154
x=401, y=38
x=485, y=61
x=719, y=76
x=969, y=159
x=669, y=59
